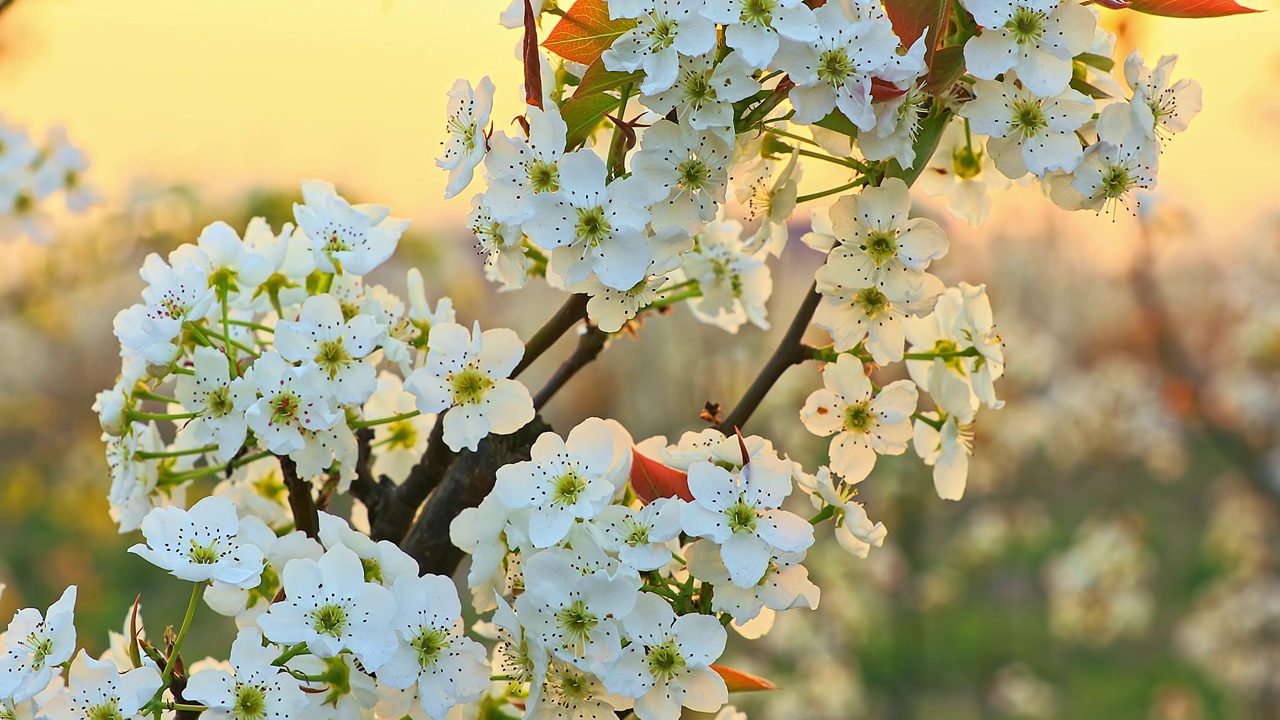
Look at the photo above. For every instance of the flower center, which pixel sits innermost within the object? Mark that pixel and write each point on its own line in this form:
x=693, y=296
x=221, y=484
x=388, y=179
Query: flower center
x=40, y=647
x=966, y=163
x=872, y=301
x=637, y=534
x=218, y=402
x=567, y=487
x=742, y=517
x=469, y=386
x=692, y=174
x=251, y=703
x=1116, y=181
x=372, y=570
x=1028, y=117
x=663, y=33
x=835, y=67
x=284, y=408
x=697, y=89
x=107, y=710
x=329, y=620
x=577, y=622
x=882, y=245
x=858, y=418
x=429, y=644
x=665, y=661
x=758, y=12
x=333, y=356
x=543, y=176
x=592, y=228
x=203, y=554
x=1026, y=25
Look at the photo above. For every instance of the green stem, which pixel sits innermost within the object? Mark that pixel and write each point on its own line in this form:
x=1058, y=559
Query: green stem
x=208, y=470
x=826, y=512
x=383, y=421
x=143, y=455
x=290, y=654
x=673, y=299
x=148, y=395
x=935, y=424
x=136, y=415
x=843, y=162
x=196, y=592
x=253, y=325
x=181, y=706
x=617, y=147
x=831, y=191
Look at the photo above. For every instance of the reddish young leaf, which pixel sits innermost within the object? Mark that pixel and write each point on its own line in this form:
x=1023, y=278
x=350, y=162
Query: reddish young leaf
x=532, y=63
x=1190, y=8
x=911, y=18
x=882, y=90
x=652, y=480
x=585, y=32
x=739, y=681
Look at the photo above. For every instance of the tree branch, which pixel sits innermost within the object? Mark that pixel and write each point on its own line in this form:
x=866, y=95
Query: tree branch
x=590, y=344
x=305, y=516
x=790, y=351
x=573, y=310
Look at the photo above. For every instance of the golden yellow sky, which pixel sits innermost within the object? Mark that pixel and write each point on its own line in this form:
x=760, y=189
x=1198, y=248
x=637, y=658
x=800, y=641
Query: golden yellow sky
x=233, y=94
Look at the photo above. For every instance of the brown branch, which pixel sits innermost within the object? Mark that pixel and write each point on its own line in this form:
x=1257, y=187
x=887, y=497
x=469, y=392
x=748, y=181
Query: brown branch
x=590, y=344
x=305, y=516
x=790, y=351
x=573, y=310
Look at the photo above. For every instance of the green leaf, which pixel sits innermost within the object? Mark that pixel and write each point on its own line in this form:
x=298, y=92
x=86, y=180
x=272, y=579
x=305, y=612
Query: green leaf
x=946, y=66
x=1101, y=62
x=1190, y=8
x=583, y=115
x=597, y=80
x=837, y=122
x=1087, y=89
x=585, y=32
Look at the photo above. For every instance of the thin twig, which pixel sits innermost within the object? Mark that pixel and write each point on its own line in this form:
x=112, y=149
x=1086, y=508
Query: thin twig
x=305, y=516
x=590, y=344
x=790, y=351
x=573, y=310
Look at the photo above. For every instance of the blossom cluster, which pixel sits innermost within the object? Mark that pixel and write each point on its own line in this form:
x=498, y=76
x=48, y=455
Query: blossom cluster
x=612, y=568
x=31, y=174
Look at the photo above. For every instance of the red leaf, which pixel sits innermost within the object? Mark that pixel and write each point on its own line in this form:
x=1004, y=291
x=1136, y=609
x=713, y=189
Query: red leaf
x=910, y=18
x=585, y=32
x=1190, y=8
x=532, y=62
x=882, y=90
x=652, y=480
x=739, y=681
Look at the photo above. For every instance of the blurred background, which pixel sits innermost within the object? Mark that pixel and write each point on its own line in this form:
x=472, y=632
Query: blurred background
x=1116, y=554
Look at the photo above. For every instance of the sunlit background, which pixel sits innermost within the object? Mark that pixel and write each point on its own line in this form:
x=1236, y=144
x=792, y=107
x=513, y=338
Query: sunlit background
x=1116, y=555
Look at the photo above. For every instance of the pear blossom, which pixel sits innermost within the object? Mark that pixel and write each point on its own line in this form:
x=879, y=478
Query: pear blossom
x=689, y=168
x=567, y=691
x=1109, y=173
x=853, y=312
x=383, y=561
x=468, y=114
x=1028, y=132
x=322, y=336
x=447, y=667
x=467, y=374
x=946, y=449
x=753, y=28
x=667, y=664
x=704, y=92
x=1158, y=108
x=134, y=480
x=610, y=309
x=641, y=538
x=854, y=530
x=739, y=509
x=863, y=426
x=664, y=30
x=506, y=258
x=329, y=606
x=835, y=70
x=879, y=246
x=289, y=258
x=735, y=284
x=593, y=227
x=34, y=646
x=565, y=481
x=575, y=614
x=220, y=400
x=1035, y=38
x=785, y=585
x=897, y=126
x=293, y=400
x=226, y=259
x=200, y=544
x=257, y=689
x=771, y=199
x=62, y=167
x=97, y=688
x=519, y=169
x=16, y=149
x=964, y=172
x=173, y=296
x=346, y=238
